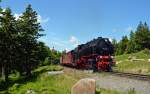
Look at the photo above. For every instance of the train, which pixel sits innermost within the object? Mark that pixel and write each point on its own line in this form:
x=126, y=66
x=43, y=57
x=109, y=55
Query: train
x=96, y=54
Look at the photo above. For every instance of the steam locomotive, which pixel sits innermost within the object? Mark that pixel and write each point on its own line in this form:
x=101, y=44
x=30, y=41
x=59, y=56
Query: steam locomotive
x=95, y=54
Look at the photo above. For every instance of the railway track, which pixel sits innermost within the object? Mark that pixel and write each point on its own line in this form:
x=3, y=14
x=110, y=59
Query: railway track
x=132, y=75
x=122, y=74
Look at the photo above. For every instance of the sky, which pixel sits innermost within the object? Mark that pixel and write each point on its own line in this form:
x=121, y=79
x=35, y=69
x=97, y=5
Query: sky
x=68, y=23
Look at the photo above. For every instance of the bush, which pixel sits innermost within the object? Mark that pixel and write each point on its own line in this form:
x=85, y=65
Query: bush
x=14, y=87
x=47, y=61
x=146, y=51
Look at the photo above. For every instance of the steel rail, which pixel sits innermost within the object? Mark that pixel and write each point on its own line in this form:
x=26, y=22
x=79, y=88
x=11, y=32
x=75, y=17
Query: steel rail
x=132, y=75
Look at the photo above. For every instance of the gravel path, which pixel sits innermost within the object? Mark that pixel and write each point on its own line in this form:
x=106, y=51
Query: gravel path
x=123, y=84
x=109, y=81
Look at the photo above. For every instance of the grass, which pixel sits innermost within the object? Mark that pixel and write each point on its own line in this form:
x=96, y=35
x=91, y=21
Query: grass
x=43, y=83
x=48, y=68
x=109, y=91
x=126, y=65
x=106, y=91
x=140, y=55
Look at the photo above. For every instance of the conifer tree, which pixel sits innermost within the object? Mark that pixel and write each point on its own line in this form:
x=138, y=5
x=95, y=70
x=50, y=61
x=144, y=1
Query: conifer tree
x=29, y=33
x=7, y=42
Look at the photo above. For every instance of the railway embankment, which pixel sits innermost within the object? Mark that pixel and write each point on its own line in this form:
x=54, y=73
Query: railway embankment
x=138, y=63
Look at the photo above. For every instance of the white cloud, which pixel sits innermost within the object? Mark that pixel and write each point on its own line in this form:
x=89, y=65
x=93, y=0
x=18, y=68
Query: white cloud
x=74, y=40
x=61, y=44
x=42, y=20
x=67, y=49
x=4, y=10
x=17, y=16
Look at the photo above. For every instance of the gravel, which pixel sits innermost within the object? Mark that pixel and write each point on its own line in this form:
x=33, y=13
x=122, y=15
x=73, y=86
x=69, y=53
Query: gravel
x=112, y=82
x=122, y=84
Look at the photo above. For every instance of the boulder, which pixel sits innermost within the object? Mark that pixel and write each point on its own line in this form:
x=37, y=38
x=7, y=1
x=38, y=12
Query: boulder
x=84, y=86
x=55, y=72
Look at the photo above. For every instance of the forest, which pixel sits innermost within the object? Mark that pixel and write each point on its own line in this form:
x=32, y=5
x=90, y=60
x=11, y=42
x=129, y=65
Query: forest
x=20, y=49
x=138, y=40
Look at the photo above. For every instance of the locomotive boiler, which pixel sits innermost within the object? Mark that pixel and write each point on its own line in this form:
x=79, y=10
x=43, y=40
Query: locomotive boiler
x=95, y=54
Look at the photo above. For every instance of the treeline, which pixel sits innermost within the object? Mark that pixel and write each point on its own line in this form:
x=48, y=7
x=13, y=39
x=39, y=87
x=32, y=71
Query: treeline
x=138, y=40
x=20, y=49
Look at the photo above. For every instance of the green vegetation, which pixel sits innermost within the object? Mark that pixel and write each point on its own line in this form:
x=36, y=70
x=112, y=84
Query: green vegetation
x=109, y=91
x=137, y=41
x=106, y=91
x=135, y=63
x=20, y=50
x=48, y=68
x=21, y=53
x=132, y=53
x=43, y=83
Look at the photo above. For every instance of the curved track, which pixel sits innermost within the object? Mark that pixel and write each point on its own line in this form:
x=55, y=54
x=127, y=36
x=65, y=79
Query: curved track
x=132, y=75
x=124, y=74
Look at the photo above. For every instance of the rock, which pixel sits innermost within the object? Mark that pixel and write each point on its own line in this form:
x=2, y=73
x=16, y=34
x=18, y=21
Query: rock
x=55, y=72
x=84, y=86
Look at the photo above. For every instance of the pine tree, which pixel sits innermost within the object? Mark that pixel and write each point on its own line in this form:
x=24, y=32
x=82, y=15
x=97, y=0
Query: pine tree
x=115, y=44
x=122, y=45
x=131, y=44
x=142, y=36
x=29, y=33
x=7, y=43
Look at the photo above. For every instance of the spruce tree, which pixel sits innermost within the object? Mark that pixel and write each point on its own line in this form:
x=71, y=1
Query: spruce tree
x=29, y=33
x=142, y=36
x=131, y=44
x=7, y=42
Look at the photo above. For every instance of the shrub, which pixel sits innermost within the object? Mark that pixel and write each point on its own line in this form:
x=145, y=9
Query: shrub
x=47, y=61
x=146, y=51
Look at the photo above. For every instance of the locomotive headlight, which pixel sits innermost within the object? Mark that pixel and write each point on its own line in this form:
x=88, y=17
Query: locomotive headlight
x=112, y=57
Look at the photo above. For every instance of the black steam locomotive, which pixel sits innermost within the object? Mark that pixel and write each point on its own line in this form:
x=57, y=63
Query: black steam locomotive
x=95, y=54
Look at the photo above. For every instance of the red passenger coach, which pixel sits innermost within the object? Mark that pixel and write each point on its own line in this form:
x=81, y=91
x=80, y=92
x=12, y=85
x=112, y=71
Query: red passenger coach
x=96, y=55
x=67, y=59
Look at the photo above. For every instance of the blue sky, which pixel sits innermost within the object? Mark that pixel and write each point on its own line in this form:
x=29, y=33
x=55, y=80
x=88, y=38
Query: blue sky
x=68, y=23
